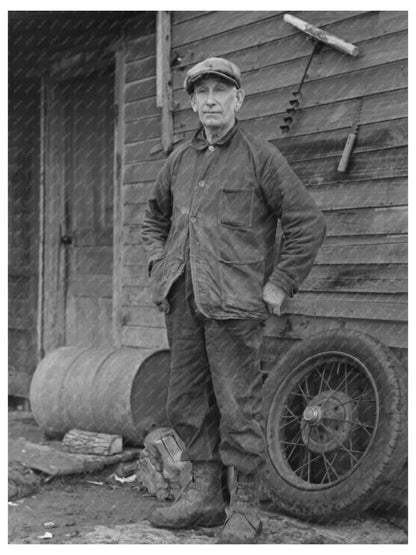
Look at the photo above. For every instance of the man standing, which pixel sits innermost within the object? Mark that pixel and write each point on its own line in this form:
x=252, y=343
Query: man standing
x=209, y=230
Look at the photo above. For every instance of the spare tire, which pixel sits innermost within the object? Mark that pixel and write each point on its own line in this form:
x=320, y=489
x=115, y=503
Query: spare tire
x=336, y=424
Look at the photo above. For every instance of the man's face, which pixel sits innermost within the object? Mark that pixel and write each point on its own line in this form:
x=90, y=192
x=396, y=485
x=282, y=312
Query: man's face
x=216, y=102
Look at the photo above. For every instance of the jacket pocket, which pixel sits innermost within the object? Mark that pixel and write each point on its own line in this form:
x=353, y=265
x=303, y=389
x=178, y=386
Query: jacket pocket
x=242, y=284
x=236, y=207
x=157, y=280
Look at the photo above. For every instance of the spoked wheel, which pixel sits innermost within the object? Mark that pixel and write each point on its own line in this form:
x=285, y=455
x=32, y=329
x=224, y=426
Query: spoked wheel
x=335, y=424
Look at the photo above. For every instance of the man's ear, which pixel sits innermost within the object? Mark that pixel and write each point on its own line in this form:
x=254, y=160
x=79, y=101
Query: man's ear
x=240, y=94
x=193, y=103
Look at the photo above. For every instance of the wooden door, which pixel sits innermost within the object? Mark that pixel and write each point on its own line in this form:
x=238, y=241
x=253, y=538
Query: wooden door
x=80, y=193
x=88, y=182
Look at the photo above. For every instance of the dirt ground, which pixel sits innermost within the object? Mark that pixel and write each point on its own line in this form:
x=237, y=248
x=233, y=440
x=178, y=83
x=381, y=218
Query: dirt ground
x=96, y=509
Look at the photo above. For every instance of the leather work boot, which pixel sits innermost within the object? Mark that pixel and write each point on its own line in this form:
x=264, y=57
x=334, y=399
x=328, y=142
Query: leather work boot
x=243, y=524
x=200, y=504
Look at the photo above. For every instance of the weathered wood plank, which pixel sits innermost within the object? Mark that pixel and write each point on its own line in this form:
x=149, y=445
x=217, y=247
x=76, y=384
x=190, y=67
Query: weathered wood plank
x=21, y=315
x=213, y=23
x=18, y=286
x=368, y=25
x=144, y=88
x=150, y=148
x=135, y=275
x=137, y=296
x=19, y=340
x=379, y=164
x=367, y=240
x=146, y=171
x=143, y=316
x=117, y=280
x=145, y=128
x=373, y=52
x=344, y=305
x=361, y=194
x=134, y=254
x=370, y=137
x=143, y=25
x=140, y=336
x=93, y=260
x=54, y=462
x=141, y=47
x=132, y=233
x=378, y=50
x=133, y=216
x=91, y=285
x=18, y=383
x=393, y=334
x=143, y=108
x=180, y=17
x=357, y=278
x=92, y=237
x=366, y=221
x=256, y=33
x=140, y=69
x=136, y=193
x=21, y=358
x=381, y=253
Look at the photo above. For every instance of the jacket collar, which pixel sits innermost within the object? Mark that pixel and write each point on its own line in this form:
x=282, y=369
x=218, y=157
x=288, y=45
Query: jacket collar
x=200, y=142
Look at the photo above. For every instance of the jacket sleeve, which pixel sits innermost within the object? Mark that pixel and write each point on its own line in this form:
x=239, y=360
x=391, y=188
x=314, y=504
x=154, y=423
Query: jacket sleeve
x=302, y=222
x=157, y=217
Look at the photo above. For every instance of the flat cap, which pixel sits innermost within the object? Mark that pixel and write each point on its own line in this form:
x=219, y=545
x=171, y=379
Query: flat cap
x=212, y=66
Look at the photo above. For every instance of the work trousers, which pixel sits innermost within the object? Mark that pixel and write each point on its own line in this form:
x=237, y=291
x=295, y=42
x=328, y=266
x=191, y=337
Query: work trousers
x=214, y=396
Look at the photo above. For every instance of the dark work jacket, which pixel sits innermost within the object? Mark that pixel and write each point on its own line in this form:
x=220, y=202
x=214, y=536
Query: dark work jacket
x=220, y=205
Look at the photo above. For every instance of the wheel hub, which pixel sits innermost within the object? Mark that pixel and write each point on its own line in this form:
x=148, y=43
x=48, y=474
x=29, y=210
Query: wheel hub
x=327, y=421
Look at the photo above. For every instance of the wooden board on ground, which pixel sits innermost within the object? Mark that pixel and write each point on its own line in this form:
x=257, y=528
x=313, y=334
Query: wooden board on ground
x=55, y=461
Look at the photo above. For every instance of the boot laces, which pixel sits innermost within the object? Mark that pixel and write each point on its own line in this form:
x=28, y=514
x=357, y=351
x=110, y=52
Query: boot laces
x=244, y=490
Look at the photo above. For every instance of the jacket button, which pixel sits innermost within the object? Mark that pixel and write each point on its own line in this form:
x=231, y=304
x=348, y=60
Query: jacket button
x=201, y=183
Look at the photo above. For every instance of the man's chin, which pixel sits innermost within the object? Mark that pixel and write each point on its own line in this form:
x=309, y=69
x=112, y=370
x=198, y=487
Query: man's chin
x=212, y=120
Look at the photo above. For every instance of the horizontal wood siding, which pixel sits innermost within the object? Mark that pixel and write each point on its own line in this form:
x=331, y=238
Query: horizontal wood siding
x=142, y=325
x=359, y=280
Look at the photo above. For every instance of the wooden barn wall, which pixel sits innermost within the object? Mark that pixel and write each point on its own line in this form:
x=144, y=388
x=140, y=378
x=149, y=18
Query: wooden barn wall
x=359, y=280
x=23, y=147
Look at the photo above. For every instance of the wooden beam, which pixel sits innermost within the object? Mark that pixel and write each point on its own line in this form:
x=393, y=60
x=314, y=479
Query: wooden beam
x=164, y=78
x=118, y=207
x=321, y=35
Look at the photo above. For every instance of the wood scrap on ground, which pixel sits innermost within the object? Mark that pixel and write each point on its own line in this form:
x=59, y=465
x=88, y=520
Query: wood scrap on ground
x=81, y=441
x=55, y=462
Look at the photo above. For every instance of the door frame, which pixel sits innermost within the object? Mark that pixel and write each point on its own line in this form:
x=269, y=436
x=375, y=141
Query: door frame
x=52, y=259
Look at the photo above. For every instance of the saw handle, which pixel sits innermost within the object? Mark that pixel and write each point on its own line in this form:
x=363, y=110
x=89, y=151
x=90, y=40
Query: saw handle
x=345, y=158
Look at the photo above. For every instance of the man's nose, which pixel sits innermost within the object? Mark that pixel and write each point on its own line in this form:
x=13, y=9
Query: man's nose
x=211, y=97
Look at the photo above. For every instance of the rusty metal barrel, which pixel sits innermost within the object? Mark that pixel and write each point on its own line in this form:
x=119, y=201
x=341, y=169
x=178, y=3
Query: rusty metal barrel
x=107, y=390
